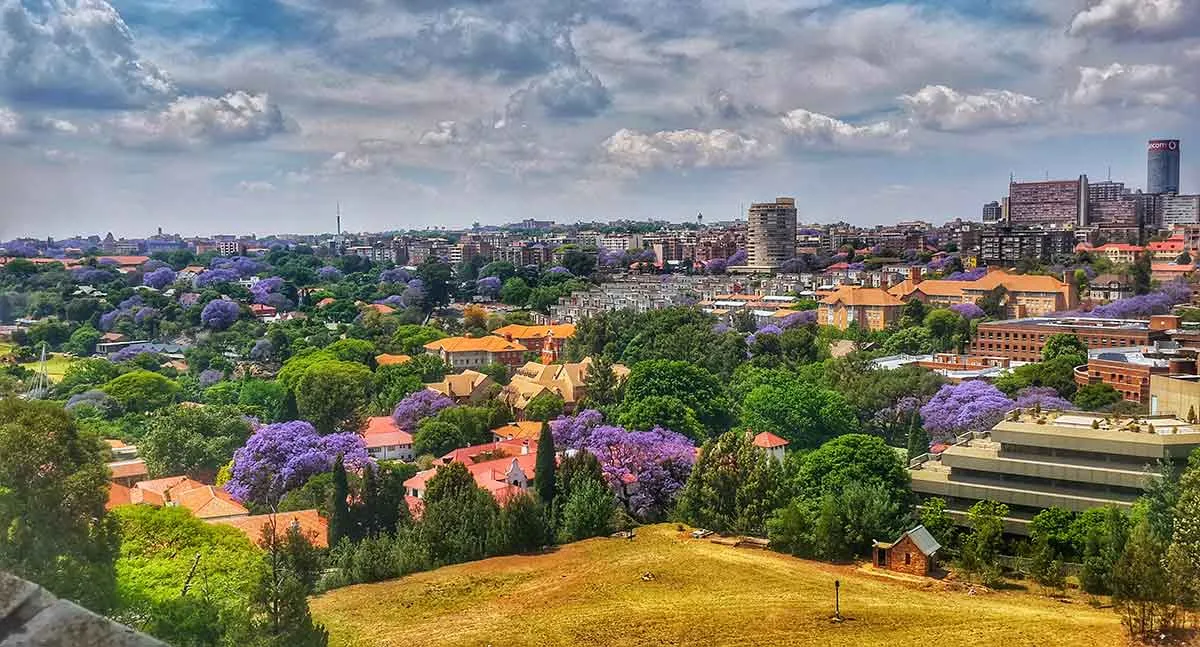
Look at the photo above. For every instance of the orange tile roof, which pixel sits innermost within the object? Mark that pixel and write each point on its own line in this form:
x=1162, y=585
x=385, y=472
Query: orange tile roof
x=489, y=344
x=1167, y=268
x=163, y=485
x=855, y=295
x=1018, y=283
x=115, y=444
x=557, y=331
x=128, y=469
x=385, y=359
x=768, y=440
x=523, y=430
x=461, y=385
x=310, y=522
x=511, y=447
x=209, y=502
x=125, y=261
x=327, y=301
x=382, y=308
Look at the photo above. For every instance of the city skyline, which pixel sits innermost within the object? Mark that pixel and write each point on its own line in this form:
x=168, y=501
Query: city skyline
x=210, y=116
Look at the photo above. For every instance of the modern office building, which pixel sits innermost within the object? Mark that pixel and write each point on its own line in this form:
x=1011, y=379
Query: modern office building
x=1177, y=209
x=770, y=235
x=1057, y=203
x=1008, y=245
x=1129, y=370
x=992, y=213
x=1022, y=339
x=1162, y=166
x=1030, y=462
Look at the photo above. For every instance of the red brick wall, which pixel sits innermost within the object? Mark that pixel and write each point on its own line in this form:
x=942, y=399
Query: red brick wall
x=917, y=563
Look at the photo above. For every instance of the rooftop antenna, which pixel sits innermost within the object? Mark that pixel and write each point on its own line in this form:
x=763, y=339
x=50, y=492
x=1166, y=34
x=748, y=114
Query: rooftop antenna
x=1110, y=172
x=339, y=221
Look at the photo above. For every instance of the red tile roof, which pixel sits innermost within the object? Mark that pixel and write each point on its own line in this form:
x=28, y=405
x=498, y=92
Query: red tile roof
x=209, y=502
x=382, y=431
x=128, y=469
x=117, y=495
x=768, y=440
x=311, y=524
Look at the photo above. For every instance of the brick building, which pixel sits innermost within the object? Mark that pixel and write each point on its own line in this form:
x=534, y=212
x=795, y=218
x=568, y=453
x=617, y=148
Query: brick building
x=1129, y=370
x=869, y=308
x=1022, y=339
x=915, y=553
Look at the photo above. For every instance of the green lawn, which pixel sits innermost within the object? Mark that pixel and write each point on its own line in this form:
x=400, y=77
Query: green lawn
x=700, y=593
x=56, y=363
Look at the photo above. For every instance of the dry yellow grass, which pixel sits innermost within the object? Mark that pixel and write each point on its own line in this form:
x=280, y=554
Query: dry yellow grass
x=592, y=593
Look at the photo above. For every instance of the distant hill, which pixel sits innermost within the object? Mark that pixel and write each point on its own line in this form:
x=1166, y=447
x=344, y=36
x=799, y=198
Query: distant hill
x=699, y=593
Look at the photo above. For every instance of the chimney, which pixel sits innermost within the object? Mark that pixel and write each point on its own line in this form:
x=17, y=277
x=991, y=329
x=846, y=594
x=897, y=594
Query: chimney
x=914, y=274
x=524, y=447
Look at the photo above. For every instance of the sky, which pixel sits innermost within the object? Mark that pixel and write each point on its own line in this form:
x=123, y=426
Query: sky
x=259, y=116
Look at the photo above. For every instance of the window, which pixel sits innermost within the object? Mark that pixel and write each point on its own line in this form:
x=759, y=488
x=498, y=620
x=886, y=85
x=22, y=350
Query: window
x=907, y=559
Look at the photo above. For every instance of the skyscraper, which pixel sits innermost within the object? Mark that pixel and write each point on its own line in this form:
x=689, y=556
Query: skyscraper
x=1162, y=166
x=992, y=212
x=771, y=234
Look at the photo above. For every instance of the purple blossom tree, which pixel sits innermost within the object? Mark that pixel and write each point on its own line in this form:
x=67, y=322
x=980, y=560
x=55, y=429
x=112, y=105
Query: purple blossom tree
x=329, y=273
x=716, y=266
x=1044, y=396
x=279, y=301
x=1155, y=303
x=109, y=319
x=144, y=316
x=738, y=258
x=263, y=290
x=110, y=262
x=219, y=314
x=262, y=350
x=968, y=311
x=969, y=275
x=488, y=286
x=396, y=275
x=160, y=278
x=974, y=405
x=90, y=275
x=210, y=278
x=394, y=301
x=283, y=456
x=414, y=294
x=245, y=267
x=128, y=353
x=416, y=407
x=559, y=270
x=210, y=376
x=610, y=258
x=154, y=264
x=647, y=469
x=802, y=318
x=129, y=304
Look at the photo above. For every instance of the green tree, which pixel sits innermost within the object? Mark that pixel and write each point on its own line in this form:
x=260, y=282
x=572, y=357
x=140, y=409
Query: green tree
x=1094, y=397
x=545, y=466
x=353, y=350
x=1065, y=345
x=411, y=338
x=853, y=458
x=792, y=529
x=913, y=314
x=141, y=391
x=545, y=406
x=279, y=600
x=1141, y=583
x=264, y=399
x=84, y=374
x=600, y=386
x=937, y=521
x=332, y=395
x=588, y=512
x=662, y=411
x=981, y=547
x=522, y=525
x=734, y=486
x=53, y=488
x=83, y=341
x=1139, y=273
x=994, y=302
x=1102, y=534
x=190, y=440
x=804, y=414
x=943, y=325
x=460, y=518
x=515, y=292
x=341, y=524
x=916, y=340
x=694, y=386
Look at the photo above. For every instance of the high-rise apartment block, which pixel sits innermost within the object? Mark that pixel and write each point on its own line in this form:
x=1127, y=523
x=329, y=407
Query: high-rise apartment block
x=1178, y=209
x=1162, y=166
x=992, y=212
x=1008, y=245
x=770, y=235
x=1058, y=203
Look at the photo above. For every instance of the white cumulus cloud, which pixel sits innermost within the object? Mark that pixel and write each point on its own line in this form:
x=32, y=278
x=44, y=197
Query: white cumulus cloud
x=683, y=149
x=1129, y=85
x=199, y=121
x=943, y=108
x=814, y=130
x=1138, y=19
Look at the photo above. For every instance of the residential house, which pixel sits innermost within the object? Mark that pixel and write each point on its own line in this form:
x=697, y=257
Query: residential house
x=868, y=308
x=468, y=386
x=385, y=440
x=915, y=553
x=1167, y=251
x=548, y=339
x=476, y=352
x=520, y=430
x=1167, y=272
x=773, y=445
x=499, y=472
x=564, y=380
x=386, y=359
x=204, y=501
x=310, y=523
x=1110, y=287
x=128, y=472
x=262, y=311
x=1118, y=253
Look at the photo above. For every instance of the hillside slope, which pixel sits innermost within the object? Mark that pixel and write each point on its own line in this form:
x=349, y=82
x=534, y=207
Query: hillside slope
x=593, y=593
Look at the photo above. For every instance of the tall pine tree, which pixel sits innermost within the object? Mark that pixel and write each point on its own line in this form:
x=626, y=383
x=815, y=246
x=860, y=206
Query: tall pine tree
x=340, y=522
x=371, y=522
x=544, y=477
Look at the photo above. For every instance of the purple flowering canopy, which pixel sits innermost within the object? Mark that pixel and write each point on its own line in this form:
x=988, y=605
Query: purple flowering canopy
x=768, y=329
x=418, y=406
x=128, y=353
x=414, y=293
x=245, y=266
x=159, y=278
x=610, y=257
x=129, y=304
x=263, y=290
x=87, y=275
x=213, y=277
x=1044, y=396
x=716, y=266
x=109, y=319
x=488, y=286
x=559, y=270
x=210, y=376
x=145, y=316
x=738, y=258
x=219, y=314
x=802, y=318
x=974, y=405
x=394, y=301
x=968, y=311
x=1145, y=305
x=283, y=456
x=397, y=275
x=329, y=273
x=658, y=461
x=262, y=350
x=969, y=275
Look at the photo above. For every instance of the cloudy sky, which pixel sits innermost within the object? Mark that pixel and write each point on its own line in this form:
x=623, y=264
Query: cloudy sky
x=207, y=116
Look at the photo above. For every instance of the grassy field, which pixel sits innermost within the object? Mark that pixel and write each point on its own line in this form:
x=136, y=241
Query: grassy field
x=593, y=593
x=56, y=363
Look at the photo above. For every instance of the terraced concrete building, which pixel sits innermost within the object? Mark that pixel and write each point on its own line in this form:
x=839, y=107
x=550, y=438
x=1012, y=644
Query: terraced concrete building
x=1074, y=461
